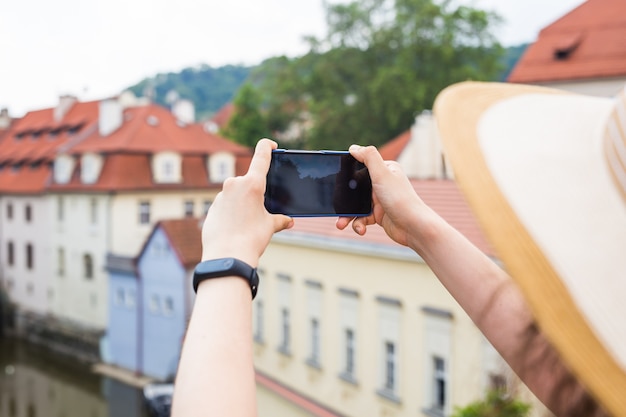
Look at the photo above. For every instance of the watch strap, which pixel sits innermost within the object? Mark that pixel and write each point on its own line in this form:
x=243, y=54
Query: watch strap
x=226, y=267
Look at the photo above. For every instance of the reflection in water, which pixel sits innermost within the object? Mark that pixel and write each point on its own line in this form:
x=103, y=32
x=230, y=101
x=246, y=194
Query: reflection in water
x=37, y=383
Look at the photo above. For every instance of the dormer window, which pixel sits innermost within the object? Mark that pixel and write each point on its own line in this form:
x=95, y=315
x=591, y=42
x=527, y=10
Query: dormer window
x=63, y=167
x=91, y=165
x=565, y=46
x=166, y=168
x=221, y=166
x=72, y=130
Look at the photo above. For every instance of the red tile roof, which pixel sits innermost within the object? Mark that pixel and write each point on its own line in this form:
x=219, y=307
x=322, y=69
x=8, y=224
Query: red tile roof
x=154, y=129
x=24, y=180
x=185, y=237
x=589, y=42
x=223, y=115
x=443, y=196
x=392, y=150
x=38, y=136
x=145, y=130
x=310, y=406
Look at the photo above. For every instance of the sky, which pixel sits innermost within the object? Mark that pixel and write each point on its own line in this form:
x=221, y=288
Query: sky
x=93, y=49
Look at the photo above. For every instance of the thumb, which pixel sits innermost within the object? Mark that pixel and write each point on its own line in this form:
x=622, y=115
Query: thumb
x=372, y=159
x=282, y=222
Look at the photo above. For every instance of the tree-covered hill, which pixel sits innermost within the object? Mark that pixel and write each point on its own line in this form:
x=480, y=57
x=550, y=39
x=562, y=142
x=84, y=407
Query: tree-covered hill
x=207, y=87
x=210, y=88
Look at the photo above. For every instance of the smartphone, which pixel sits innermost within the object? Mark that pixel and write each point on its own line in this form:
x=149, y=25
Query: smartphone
x=317, y=184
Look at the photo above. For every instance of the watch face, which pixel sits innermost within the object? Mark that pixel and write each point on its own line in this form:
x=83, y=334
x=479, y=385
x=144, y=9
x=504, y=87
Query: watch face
x=224, y=268
x=218, y=265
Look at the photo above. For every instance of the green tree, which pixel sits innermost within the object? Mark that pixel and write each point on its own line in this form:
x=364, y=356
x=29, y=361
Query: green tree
x=207, y=87
x=381, y=63
x=247, y=125
x=497, y=403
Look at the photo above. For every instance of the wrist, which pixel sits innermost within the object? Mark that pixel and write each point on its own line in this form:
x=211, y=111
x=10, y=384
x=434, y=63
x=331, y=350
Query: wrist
x=248, y=257
x=224, y=268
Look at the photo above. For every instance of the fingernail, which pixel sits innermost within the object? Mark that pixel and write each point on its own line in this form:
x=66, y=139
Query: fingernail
x=355, y=147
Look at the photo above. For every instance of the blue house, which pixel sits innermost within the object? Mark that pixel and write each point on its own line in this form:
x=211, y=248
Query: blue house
x=150, y=300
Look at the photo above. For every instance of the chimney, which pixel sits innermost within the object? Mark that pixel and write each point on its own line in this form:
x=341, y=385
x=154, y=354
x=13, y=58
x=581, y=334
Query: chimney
x=5, y=119
x=110, y=116
x=184, y=111
x=65, y=104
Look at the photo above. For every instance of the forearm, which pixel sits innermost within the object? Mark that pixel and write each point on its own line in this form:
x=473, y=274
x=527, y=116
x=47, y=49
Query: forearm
x=497, y=307
x=216, y=372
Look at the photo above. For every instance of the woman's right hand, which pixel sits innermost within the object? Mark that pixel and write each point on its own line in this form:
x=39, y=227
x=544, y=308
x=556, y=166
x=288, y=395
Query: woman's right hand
x=395, y=204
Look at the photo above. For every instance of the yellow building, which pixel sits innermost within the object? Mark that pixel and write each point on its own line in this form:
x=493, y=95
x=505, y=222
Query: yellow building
x=360, y=326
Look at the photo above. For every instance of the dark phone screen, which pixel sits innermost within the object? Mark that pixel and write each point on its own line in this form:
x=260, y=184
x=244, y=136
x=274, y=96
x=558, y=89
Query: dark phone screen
x=317, y=184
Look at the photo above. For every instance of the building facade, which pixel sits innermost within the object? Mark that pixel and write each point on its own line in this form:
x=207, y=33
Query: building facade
x=151, y=298
x=582, y=52
x=84, y=180
x=362, y=326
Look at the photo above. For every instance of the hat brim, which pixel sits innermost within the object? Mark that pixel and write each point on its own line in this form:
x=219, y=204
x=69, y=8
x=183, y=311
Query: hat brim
x=529, y=162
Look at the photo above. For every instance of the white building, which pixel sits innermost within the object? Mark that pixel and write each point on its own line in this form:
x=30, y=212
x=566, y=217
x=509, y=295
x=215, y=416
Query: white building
x=83, y=180
x=582, y=52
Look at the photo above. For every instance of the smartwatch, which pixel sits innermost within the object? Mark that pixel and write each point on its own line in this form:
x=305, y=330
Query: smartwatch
x=226, y=267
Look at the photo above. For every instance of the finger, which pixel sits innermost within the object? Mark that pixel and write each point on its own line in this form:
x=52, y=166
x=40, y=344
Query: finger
x=282, y=222
x=372, y=159
x=359, y=225
x=262, y=157
x=394, y=167
x=343, y=222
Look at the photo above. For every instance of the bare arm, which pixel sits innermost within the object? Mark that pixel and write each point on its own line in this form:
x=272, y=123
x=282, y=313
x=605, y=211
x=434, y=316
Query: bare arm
x=484, y=290
x=216, y=373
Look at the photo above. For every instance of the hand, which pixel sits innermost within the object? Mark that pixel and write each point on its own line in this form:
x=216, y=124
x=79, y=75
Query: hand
x=395, y=204
x=237, y=224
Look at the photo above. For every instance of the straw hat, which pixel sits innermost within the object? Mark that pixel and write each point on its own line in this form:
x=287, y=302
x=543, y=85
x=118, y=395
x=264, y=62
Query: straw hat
x=545, y=173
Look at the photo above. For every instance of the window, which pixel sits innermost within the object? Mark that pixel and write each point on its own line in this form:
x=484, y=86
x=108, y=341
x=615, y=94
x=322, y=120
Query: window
x=10, y=254
x=60, y=208
x=166, y=167
x=120, y=297
x=285, y=330
x=284, y=305
x=9, y=211
x=61, y=262
x=28, y=213
x=389, y=335
x=314, y=312
x=189, y=208
x=348, y=316
x=390, y=366
x=93, y=206
x=91, y=165
x=439, y=384
x=144, y=212
x=258, y=323
x=206, y=206
x=349, y=354
x=29, y=256
x=130, y=298
x=168, y=306
x=315, y=342
x=88, y=266
x=155, y=304
x=221, y=166
x=437, y=349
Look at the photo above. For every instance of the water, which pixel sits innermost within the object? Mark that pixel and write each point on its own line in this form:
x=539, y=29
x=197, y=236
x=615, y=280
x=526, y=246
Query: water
x=35, y=382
